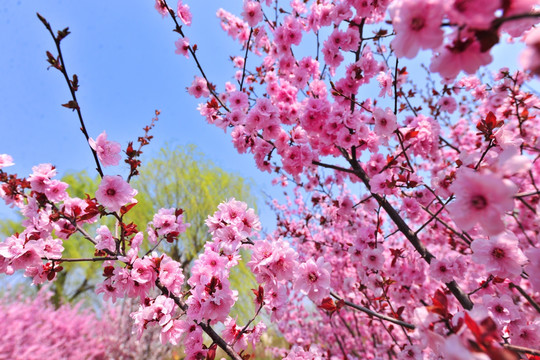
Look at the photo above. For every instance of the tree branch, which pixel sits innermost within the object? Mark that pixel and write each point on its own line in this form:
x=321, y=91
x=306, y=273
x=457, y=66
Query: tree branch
x=374, y=314
x=458, y=293
x=207, y=328
x=62, y=69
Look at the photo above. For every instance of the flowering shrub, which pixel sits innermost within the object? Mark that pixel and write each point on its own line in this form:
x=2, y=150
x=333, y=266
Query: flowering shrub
x=435, y=257
x=34, y=329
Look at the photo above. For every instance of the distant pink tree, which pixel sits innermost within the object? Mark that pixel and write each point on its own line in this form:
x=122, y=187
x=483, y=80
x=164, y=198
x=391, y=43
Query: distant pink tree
x=31, y=328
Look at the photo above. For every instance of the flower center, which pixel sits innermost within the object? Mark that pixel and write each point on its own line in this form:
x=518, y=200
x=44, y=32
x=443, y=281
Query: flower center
x=478, y=202
x=312, y=277
x=417, y=24
x=111, y=192
x=498, y=253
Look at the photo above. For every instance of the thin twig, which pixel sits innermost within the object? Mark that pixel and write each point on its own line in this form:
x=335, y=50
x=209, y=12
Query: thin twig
x=63, y=70
x=375, y=314
x=531, y=301
x=206, y=328
x=245, y=59
x=522, y=349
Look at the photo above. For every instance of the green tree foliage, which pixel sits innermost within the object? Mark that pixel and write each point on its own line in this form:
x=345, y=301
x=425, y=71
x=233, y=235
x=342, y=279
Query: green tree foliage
x=178, y=178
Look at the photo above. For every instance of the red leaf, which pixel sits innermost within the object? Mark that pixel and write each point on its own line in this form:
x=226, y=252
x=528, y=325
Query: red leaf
x=440, y=304
x=71, y=105
x=491, y=120
x=211, y=354
x=124, y=209
x=328, y=305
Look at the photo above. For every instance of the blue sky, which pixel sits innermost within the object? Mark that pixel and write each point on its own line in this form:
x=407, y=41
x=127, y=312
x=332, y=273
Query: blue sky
x=123, y=54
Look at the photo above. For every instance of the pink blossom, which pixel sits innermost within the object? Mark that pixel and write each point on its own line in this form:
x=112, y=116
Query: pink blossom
x=500, y=254
x=108, y=151
x=171, y=275
x=463, y=53
x=6, y=160
x=480, y=198
x=252, y=13
x=313, y=279
x=238, y=100
x=502, y=308
x=477, y=14
x=373, y=258
x=114, y=192
x=417, y=25
x=446, y=269
x=529, y=57
x=533, y=267
x=56, y=190
x=184, y=13
x=182, y=47
x=448, y=104
x=40, y=177
x=524, y=334
x=104, y=239
x=199, y=88
x=161, y=8
x=411, y=352
x=143, y=271
x=385, y=122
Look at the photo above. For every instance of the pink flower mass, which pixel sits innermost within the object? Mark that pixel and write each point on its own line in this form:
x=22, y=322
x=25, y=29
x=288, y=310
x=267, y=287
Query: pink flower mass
x=405, y=224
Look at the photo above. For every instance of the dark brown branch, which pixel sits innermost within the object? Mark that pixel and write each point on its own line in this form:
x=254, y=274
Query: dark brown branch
x=531, y=301
x=335, y=167
x=458, y=293
x=62, y=69
x=178, y=29
x=245, y=59
x=522, y=349
x=375, y=314
x=105, y=258
x=206, y=328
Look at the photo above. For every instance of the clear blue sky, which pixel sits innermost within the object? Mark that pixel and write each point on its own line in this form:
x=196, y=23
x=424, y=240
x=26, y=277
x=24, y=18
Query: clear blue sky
x=123, y=53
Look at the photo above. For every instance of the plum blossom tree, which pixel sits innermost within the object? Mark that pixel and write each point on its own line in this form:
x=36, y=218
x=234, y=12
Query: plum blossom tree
x=412, y=231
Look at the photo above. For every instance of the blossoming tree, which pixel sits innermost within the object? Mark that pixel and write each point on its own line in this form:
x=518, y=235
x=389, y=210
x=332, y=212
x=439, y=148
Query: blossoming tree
x=436, y=255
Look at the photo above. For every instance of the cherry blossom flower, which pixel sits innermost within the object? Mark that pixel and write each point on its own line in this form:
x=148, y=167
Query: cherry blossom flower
x=529, y=58
x=313, y=279
x=477, y=14
x=108, y=151
x=446, y=269
x=182, y=47
x=199, y=88
x=105, y=239
x=184, y=13
x=501, y=255
x=114, y=192
x=373, y=258
x=533, y=267
x=480, y=198
x=463, y=53
x=385, y=121
x=417, y=25
x=524, y=334
x=252, y=13
x=502, y=308
x=6, y=160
